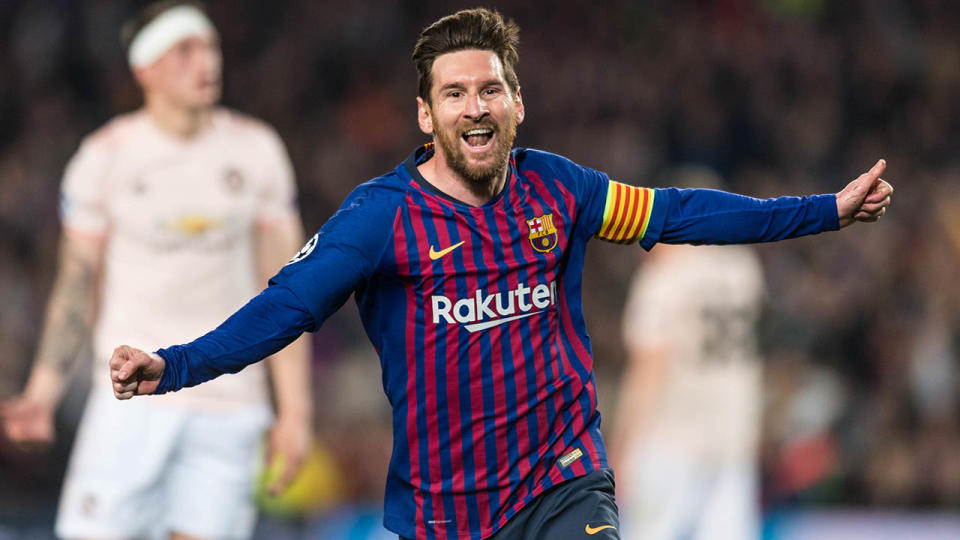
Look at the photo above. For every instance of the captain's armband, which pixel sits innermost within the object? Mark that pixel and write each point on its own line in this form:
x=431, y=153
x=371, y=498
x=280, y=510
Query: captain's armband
x=626, y=213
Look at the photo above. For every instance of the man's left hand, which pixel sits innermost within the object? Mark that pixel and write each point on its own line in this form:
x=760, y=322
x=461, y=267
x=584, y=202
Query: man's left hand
x=289, y=444
x=866, y=198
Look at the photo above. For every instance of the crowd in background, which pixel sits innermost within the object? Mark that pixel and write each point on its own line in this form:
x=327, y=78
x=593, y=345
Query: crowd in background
x=779, y=96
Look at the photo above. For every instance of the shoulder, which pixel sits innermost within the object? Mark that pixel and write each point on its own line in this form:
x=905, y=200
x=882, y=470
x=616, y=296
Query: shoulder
x=387, y=191
x=553, y=166
x=114, y=134
x=245, y=126
x=530, y=158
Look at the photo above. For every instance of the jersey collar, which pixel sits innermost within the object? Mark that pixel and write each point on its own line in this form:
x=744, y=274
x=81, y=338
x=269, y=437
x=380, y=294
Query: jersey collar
x=423, y=153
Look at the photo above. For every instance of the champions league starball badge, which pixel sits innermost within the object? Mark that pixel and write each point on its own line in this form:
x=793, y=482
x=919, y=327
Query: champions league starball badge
x=306, y=250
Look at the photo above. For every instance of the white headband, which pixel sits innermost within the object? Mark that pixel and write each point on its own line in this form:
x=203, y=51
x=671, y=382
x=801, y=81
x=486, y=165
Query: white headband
x=165, y=31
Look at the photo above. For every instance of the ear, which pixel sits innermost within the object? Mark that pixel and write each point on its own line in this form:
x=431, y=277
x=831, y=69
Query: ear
x=520, y=112
x=143, y=76
x=424, y=118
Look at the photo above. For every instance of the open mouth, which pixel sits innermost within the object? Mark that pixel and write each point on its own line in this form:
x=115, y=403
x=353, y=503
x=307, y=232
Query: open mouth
x=478, y=138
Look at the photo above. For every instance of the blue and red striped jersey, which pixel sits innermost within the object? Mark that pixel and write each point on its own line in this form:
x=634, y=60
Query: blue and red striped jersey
x=476, y=315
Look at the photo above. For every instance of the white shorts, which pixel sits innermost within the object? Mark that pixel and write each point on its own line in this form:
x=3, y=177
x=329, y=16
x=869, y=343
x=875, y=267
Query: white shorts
x=140, y=469
x=671, y=495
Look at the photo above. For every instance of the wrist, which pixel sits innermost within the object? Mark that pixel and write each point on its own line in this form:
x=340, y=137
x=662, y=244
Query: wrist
x=842, y=220
x=44, y=387
x=294, y=414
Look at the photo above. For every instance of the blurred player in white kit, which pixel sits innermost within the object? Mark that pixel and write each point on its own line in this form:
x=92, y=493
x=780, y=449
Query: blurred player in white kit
x=173, y=216
x=688, y=422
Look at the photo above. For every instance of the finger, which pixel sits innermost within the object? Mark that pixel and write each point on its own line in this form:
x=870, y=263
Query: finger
x=880, y=191
x=123, y=395
x=124, y=373
x=7, y=407
x=277, y=485
x=269, y=453
x=15, y=432
x=863, y=213
x=287, y=476
x=128, y=370
x=119, y=388
x=873, y=208
x=12, y=408
x=120, y=355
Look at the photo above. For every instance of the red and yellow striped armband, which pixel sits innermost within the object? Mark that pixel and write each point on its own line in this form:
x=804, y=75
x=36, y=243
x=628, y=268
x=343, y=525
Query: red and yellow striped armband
x=626, y=214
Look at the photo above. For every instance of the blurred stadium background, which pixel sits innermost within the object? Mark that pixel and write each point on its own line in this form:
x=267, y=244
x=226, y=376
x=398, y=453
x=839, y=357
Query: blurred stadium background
x=861, y=330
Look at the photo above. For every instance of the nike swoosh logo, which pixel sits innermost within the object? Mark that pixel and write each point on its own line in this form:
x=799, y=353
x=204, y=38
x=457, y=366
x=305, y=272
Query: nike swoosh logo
x=592, y=530
x=434, y=255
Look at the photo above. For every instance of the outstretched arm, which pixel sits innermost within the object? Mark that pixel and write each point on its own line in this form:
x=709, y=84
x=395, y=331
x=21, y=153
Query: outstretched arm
x=703, y=216
x=706, y=216
x=266, y=324
x=333, y=264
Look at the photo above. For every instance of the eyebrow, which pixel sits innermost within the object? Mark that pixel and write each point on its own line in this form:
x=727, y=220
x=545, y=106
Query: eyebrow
x=461, y=86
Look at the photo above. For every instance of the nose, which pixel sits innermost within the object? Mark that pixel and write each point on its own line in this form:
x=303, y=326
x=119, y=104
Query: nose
x=476, y=108
x=211, y=59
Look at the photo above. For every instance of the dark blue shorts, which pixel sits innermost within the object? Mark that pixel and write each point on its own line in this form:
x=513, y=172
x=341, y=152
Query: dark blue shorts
x=581, y=509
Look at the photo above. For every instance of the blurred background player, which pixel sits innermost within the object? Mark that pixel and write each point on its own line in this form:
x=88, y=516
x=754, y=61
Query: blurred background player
x=173, y=216
x=689, y=418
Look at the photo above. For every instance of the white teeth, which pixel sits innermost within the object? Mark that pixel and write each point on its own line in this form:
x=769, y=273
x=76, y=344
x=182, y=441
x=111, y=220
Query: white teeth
x=478, y=132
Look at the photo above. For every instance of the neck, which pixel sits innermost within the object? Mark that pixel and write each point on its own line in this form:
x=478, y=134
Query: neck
x=439, y=173
x=181, y=122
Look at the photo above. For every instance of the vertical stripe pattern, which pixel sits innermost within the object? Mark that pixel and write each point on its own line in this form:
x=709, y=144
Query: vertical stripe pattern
x=499, y=401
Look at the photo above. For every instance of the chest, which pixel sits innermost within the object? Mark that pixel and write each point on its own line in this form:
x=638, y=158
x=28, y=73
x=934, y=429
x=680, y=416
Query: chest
x=201, y=195
x=452, y=247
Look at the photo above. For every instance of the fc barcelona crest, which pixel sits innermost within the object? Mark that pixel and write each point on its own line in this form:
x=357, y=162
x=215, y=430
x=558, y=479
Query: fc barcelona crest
x=543, y=235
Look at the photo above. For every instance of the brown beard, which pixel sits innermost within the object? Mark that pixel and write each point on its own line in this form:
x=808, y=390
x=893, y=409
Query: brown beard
x=480, y=180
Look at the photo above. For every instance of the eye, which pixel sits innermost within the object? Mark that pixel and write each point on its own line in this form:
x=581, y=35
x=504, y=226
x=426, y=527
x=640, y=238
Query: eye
x=455, y=94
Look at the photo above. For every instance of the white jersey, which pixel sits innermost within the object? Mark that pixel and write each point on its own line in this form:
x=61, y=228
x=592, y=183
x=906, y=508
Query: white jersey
x=701, y=305
x=178, y=218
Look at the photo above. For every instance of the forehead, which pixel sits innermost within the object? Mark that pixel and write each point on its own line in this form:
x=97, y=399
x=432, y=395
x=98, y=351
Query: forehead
x=466, y=67
x=203, y=40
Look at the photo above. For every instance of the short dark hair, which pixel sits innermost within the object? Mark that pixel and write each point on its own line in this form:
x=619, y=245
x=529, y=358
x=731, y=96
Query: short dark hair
x=477, y=28
x=145, y=16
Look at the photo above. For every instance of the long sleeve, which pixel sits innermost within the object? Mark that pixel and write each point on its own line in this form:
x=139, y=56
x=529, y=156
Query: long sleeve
x=705, y=216
x=333, y=264
x=266, y=324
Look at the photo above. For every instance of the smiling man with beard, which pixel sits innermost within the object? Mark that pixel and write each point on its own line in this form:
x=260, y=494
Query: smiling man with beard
x=473, y=132
x=465, y=262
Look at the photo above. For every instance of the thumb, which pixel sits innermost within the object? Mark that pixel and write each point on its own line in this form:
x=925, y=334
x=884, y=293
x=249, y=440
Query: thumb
x=866, y=180
x=856, y=192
